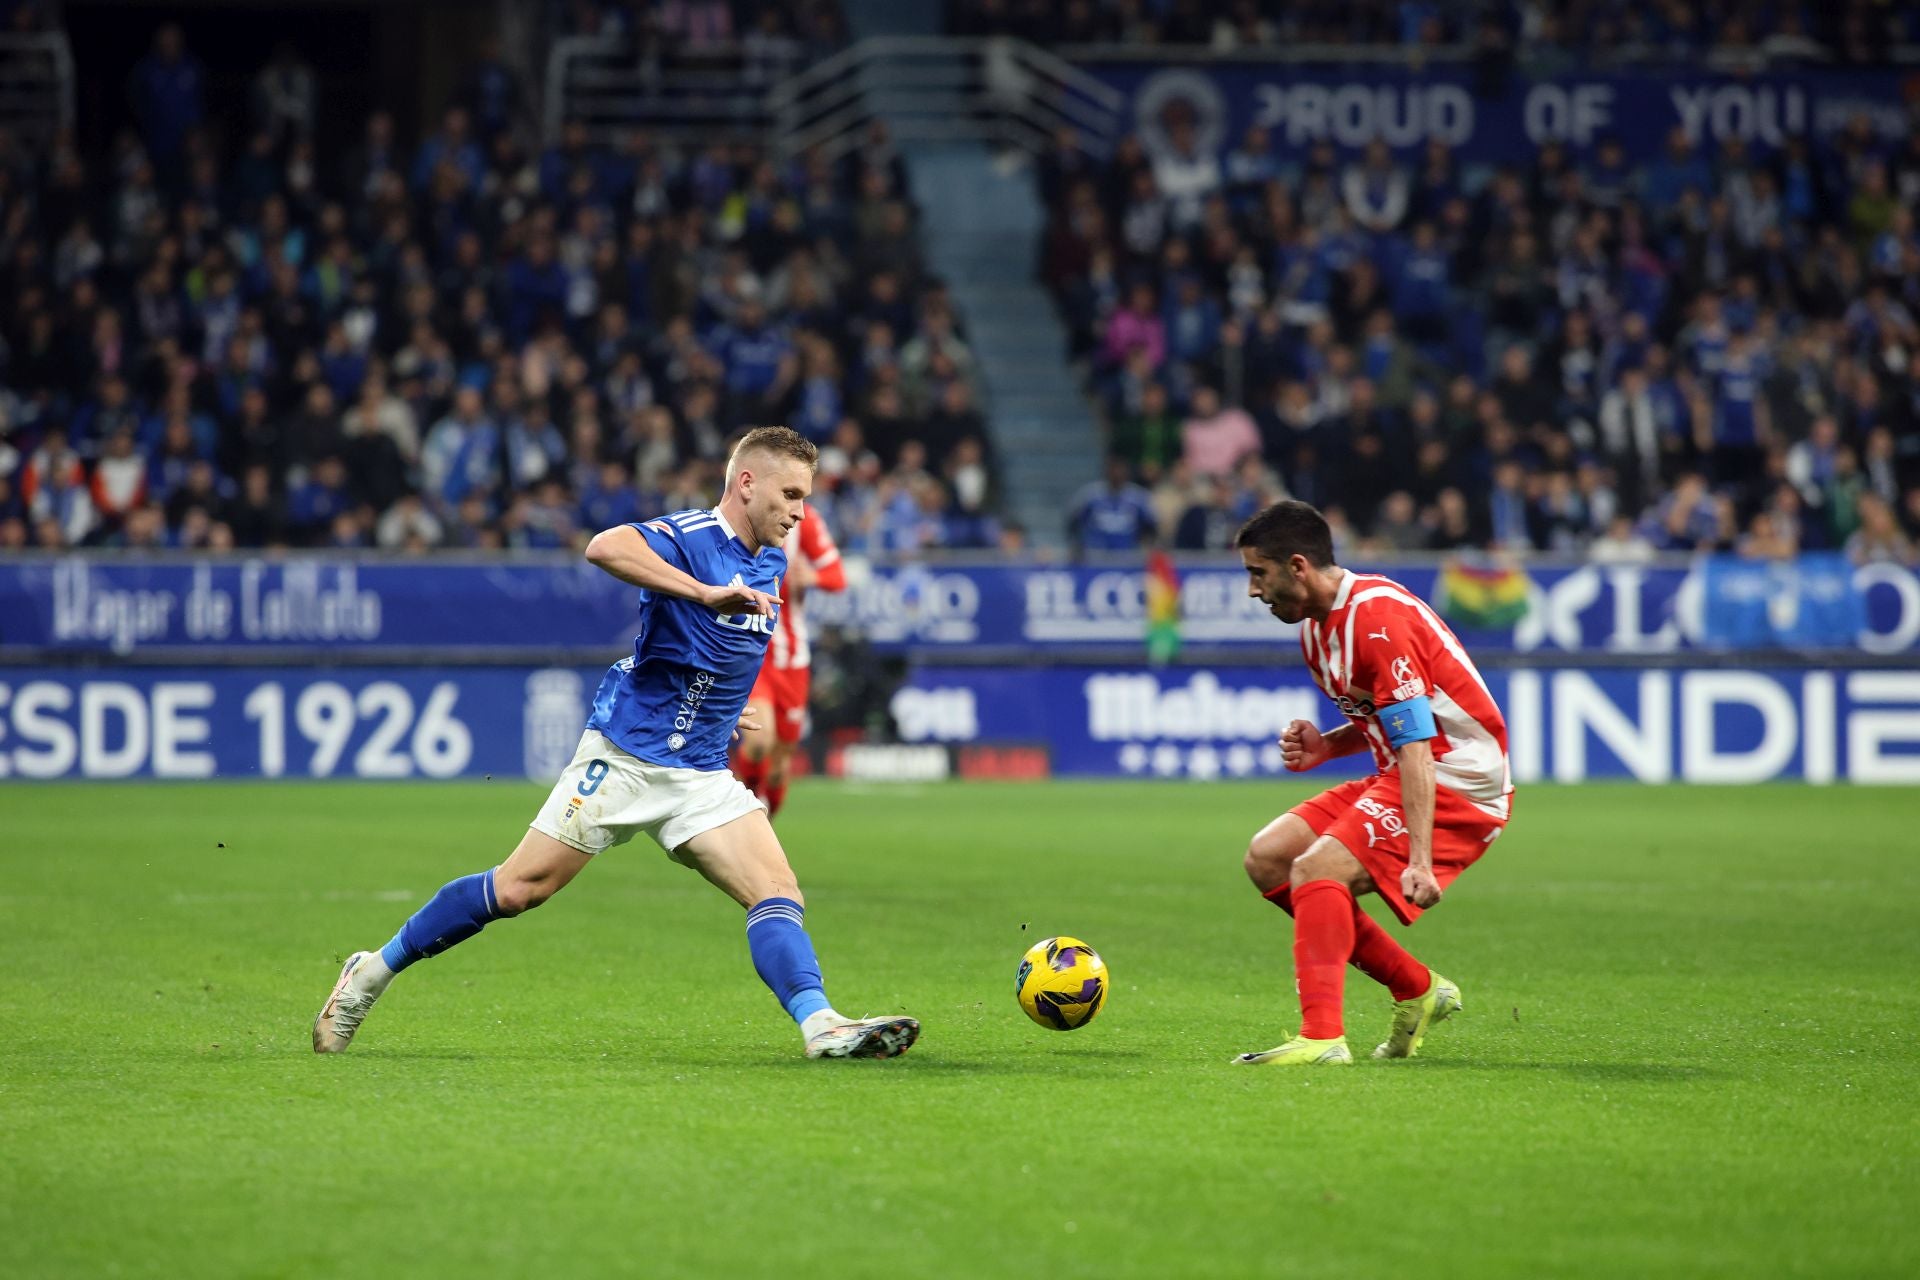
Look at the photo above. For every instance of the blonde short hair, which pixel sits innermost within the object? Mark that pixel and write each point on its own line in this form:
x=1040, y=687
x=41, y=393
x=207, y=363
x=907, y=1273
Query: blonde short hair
x=781, y=442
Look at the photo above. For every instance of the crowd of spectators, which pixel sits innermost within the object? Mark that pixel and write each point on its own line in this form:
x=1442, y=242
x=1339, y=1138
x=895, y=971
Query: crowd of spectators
x=468, y=341
x=1714, y=350
x=465, y=342
x=1732, y=34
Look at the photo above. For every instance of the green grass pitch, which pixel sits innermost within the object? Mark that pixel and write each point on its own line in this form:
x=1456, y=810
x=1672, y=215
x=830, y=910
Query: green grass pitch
x=1691, y=1048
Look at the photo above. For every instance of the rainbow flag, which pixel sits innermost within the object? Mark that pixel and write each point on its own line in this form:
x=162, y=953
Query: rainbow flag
x=1163, y=609
x=1492, y=597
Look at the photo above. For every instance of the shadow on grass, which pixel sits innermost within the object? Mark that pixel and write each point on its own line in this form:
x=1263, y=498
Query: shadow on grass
x=1617, y=1072
x=927, y=1060
x=934, y=1061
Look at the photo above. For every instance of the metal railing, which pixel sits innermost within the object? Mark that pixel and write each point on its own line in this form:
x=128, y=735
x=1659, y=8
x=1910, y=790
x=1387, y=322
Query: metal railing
x=996, y=88
x=606, y=85
x=36, y=85
x=926, y=87
x=933, y=88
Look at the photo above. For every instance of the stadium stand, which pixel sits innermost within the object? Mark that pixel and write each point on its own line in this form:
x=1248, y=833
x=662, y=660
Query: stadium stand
x=465, y=341
x=474, y=339
x=1714, y=350
x=1722, y=34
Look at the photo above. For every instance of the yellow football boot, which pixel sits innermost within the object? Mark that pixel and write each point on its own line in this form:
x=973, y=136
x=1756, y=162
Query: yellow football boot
x=1412, y=1019
x=1301, y=1052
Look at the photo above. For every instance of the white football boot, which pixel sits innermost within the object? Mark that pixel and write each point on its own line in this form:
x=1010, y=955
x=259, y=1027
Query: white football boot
x=864, y=1038
x=346, y=1006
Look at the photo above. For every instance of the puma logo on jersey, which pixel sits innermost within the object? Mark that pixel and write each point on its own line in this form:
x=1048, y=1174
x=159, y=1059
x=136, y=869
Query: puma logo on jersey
x=1381, y=634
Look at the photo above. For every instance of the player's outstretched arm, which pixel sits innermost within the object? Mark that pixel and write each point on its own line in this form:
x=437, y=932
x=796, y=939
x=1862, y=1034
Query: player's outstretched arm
x=624, y=553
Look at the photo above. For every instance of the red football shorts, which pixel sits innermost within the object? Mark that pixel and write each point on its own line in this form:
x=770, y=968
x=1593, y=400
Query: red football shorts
x=1365, y=816
x=785, y=689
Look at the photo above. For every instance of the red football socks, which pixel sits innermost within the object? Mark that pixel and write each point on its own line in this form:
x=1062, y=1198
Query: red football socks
x=1323, y=914
x=775, y=796
x=1377, y=955
x=752, y=774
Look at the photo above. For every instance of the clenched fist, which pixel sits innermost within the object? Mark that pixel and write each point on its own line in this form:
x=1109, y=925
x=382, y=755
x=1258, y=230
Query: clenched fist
x=1302, y=748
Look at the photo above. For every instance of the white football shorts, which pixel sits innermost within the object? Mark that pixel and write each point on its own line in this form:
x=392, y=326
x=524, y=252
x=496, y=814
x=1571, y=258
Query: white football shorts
x=605, y=797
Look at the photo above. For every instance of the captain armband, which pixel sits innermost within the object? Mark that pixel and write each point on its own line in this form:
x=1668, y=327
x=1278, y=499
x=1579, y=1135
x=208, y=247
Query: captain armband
x=1409, y=721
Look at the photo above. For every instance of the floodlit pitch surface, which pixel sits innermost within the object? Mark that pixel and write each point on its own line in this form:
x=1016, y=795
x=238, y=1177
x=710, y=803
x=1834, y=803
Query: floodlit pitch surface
x=1692, y=1046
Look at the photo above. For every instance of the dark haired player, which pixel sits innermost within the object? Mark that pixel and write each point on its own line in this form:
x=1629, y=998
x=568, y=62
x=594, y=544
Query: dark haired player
x=1441, y=791
x=654, y=757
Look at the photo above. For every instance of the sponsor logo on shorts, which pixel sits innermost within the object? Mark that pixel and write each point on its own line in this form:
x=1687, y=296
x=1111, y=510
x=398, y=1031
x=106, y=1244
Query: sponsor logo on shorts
x=1390, y=820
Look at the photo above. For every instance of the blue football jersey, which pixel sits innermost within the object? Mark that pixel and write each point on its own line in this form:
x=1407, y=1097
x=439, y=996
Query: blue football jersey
x=676, y=700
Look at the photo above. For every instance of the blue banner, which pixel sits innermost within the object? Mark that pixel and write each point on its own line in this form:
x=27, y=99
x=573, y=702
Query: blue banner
x=1501, y=123
x=270, y=722
x=1788, y=604
x=126, y=606
x=1570, y=724
x=189, y=610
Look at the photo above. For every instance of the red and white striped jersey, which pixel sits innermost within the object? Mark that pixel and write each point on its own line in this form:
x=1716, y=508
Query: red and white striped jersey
x=1381, y=644
x=812, y=541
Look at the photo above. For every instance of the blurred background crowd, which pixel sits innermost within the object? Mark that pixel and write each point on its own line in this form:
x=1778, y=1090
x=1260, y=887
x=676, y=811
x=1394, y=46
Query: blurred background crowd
x=274, y=326
x=1549, y=35
x=218, y=338
x=1715, y=350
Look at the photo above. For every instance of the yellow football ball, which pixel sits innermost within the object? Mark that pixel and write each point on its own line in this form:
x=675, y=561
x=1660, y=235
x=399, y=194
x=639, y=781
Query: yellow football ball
x=1062, y=983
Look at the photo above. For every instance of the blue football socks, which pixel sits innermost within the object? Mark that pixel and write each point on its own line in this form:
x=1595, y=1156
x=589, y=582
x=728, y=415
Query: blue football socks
x=783, y=956
x=460, y=910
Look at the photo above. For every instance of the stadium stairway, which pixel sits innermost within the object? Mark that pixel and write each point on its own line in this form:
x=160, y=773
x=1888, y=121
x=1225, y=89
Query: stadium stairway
x=981, y=220
x=981, y=224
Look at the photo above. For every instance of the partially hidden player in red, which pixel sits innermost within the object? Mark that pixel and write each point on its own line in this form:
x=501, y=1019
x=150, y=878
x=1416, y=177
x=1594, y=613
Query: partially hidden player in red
x=779, y=697
x=1441, y=789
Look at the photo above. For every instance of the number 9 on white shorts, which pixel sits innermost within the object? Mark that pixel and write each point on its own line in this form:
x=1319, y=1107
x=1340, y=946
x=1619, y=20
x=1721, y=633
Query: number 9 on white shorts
x=605, y=797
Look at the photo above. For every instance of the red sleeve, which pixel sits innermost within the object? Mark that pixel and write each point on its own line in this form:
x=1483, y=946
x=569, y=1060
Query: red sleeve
x=1392, y=651
x=816, y=543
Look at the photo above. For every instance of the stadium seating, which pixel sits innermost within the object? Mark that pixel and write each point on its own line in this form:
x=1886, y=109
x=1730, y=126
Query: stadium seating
x=1724, y=34
x=465, y=341
x=471, y=340
x=1575, y=355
